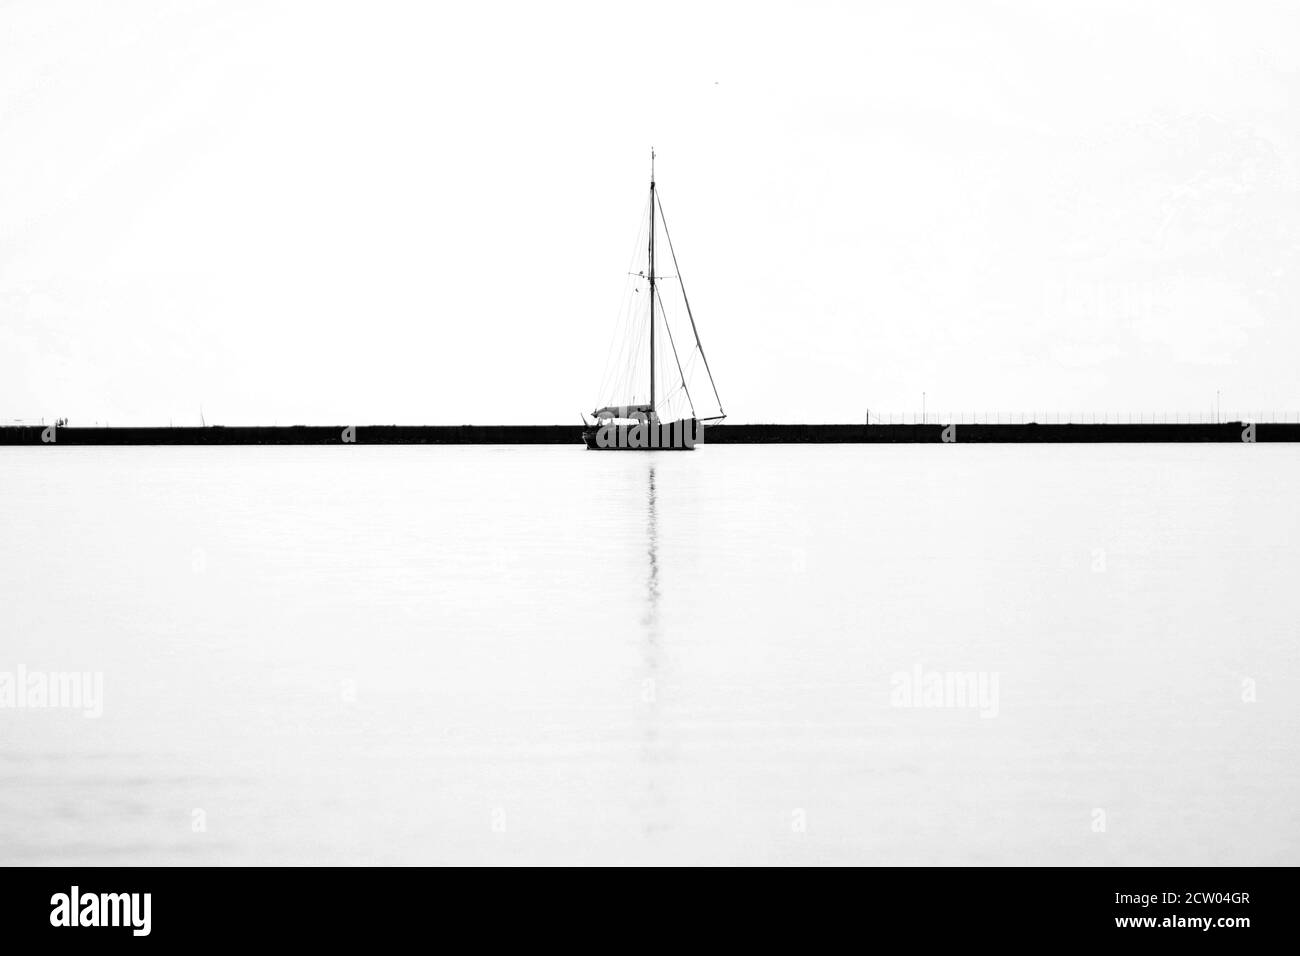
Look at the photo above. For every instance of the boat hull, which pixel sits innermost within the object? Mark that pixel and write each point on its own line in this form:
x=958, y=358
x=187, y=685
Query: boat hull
x=681, y=435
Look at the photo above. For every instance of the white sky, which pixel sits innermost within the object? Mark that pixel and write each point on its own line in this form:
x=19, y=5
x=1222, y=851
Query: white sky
x=419, y=213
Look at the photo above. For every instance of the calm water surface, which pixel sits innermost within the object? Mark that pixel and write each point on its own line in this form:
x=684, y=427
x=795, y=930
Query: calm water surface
x=425, y=654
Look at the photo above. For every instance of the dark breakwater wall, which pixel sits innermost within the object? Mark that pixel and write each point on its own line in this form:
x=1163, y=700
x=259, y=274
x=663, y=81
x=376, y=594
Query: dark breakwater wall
x=300, y=435
x=988, y=433
x=714, y=435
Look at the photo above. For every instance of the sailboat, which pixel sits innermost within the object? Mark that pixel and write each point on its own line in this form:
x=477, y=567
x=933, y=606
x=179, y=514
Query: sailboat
x=647, y=396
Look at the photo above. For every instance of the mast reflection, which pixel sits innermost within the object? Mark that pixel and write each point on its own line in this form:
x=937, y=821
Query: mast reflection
x=653, y=748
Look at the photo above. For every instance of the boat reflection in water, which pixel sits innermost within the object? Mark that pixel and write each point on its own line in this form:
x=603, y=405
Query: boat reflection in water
x=654, y=746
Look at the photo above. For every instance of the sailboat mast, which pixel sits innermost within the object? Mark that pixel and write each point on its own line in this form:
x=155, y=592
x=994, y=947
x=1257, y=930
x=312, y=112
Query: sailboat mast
x=652, y=284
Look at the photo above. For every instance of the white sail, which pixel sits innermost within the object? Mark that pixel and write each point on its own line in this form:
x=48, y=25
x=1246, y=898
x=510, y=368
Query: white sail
x=628, y=412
